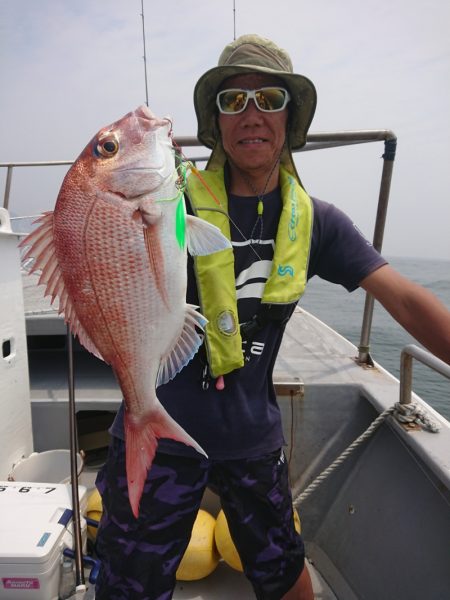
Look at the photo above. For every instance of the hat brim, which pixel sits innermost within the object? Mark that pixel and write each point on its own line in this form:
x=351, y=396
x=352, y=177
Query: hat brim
x=303, y=102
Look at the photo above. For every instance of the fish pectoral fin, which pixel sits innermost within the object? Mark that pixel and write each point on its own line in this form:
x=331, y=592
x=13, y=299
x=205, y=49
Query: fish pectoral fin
x=41, y=248
x=203, y=237
x=185, y=346
x=141, y=440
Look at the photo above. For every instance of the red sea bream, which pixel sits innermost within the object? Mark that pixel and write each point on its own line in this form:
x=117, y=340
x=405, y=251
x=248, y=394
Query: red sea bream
x=113, y=252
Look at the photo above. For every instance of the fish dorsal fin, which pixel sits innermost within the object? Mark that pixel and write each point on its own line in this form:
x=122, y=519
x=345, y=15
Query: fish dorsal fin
x=203, y=237
x=184, y=348
x=41, y=248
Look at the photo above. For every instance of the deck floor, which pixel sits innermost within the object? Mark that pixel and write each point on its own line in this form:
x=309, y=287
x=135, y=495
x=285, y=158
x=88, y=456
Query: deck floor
x=225, y=583
x=236, y=586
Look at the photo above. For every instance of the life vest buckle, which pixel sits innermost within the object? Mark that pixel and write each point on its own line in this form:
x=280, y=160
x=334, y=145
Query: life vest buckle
x=206, y=378
x=250, y=328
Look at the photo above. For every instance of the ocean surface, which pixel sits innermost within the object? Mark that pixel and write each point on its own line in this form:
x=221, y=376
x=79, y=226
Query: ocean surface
x=343, y=311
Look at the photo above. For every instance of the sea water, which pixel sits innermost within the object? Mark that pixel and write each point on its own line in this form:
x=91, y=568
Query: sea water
x=343, y=312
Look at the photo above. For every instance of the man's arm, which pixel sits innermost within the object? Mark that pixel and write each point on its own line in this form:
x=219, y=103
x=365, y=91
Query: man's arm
x=415, y=308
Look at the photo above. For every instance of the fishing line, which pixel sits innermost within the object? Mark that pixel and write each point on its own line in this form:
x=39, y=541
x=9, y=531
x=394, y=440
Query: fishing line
x=145, y=53
x=193, y=169
x=260, y=208
x=196, y=172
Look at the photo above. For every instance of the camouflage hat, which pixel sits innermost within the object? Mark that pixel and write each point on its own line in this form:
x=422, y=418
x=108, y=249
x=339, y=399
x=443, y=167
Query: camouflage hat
x=249, y=54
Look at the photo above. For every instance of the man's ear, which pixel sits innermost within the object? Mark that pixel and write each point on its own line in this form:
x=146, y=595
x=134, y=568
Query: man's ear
x=216, y=124
x=288, y=122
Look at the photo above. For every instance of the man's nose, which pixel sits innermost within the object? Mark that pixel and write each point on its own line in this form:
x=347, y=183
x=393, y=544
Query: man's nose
x=251, y=110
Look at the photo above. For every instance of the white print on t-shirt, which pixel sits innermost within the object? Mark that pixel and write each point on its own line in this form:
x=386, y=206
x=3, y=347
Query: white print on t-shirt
x=251, y=281
x=257, y=270
x=257, y=348
x=361, y=234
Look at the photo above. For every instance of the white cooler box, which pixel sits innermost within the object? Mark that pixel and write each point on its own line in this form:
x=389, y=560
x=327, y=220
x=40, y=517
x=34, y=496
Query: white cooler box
x=35, y=528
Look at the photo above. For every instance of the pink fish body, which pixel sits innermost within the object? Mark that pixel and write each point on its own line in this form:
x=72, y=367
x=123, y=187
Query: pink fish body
x=114, y=253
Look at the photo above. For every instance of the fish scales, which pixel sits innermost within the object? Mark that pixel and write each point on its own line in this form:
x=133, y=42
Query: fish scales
x=112, y=259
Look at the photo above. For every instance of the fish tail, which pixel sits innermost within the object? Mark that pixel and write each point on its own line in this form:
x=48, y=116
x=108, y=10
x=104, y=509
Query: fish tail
x=140, y=450
x=141, y=441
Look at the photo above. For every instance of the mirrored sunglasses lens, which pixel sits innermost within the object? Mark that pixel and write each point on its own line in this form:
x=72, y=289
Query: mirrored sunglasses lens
x=232, y=101
x=271, y=99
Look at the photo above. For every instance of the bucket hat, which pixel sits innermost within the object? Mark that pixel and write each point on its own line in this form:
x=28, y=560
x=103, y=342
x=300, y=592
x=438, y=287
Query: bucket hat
x=249, y=54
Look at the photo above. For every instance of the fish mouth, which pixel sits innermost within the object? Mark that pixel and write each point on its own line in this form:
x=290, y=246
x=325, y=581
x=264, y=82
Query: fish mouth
x=147, y=180
x=147, y=170
x=131, y=198
x=150, y=119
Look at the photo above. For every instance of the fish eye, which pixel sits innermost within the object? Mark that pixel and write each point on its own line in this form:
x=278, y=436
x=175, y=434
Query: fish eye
x=107, y=147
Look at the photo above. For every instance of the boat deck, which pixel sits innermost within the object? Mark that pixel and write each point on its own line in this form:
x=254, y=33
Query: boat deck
x=236, y=586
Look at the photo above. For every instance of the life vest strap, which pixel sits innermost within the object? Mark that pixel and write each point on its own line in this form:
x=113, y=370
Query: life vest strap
x=267, y=313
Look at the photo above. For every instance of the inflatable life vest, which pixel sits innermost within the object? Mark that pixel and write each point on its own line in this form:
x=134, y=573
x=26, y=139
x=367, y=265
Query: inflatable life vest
x=215, y=272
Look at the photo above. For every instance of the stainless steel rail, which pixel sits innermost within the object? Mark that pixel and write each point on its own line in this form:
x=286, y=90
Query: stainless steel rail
x=314, y=141
x=406, y=368
x=11, y=165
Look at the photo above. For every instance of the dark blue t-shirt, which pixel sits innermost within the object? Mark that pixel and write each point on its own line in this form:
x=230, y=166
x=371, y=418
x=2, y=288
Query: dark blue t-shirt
x=244, y=420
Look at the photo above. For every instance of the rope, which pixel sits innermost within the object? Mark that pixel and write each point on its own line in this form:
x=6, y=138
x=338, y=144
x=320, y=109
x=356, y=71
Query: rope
x=410, y=413
x=340, y=459
x=404, y=413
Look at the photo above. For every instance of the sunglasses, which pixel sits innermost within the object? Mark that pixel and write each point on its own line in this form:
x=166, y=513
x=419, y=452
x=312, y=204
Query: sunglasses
x=267, y=99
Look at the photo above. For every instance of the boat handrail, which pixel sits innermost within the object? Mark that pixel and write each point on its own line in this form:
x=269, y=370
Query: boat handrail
x=406, y=368
x=405, y=412
x=314, y=141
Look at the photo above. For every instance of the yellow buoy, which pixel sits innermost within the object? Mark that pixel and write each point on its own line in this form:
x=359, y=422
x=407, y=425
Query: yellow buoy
x=201, y=557
x=297, y=523
x=225, y=544
x=94, y=511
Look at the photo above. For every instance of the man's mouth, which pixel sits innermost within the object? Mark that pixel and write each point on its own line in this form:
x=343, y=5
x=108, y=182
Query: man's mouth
x=253, y=141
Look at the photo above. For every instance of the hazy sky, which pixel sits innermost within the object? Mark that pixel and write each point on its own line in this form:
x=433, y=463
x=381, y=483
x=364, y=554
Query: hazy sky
x=69, y=67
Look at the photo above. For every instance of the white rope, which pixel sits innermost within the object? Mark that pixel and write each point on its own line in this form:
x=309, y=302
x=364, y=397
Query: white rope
x=410, y=413
x=340, y=459
x=404, y=413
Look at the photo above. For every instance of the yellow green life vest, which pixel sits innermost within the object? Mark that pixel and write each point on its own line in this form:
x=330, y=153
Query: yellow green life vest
x=215, y=272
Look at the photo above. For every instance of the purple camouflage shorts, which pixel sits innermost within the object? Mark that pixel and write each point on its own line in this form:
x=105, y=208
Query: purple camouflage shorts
x=140, y=556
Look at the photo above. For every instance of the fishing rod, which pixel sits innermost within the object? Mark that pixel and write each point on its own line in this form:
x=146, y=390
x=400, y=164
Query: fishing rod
x=79, y=571
x=145, y=53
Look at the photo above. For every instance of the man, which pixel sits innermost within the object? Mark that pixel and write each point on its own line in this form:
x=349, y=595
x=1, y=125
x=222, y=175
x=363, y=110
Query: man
x=252, y=110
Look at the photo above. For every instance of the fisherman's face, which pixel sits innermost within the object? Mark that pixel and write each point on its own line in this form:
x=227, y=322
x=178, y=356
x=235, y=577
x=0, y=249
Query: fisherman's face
x=253, y=139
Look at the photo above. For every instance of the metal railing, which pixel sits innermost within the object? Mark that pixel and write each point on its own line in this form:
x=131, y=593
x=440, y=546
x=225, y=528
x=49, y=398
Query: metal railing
x=9, y=173
x=406, y=368
x=314, y=141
